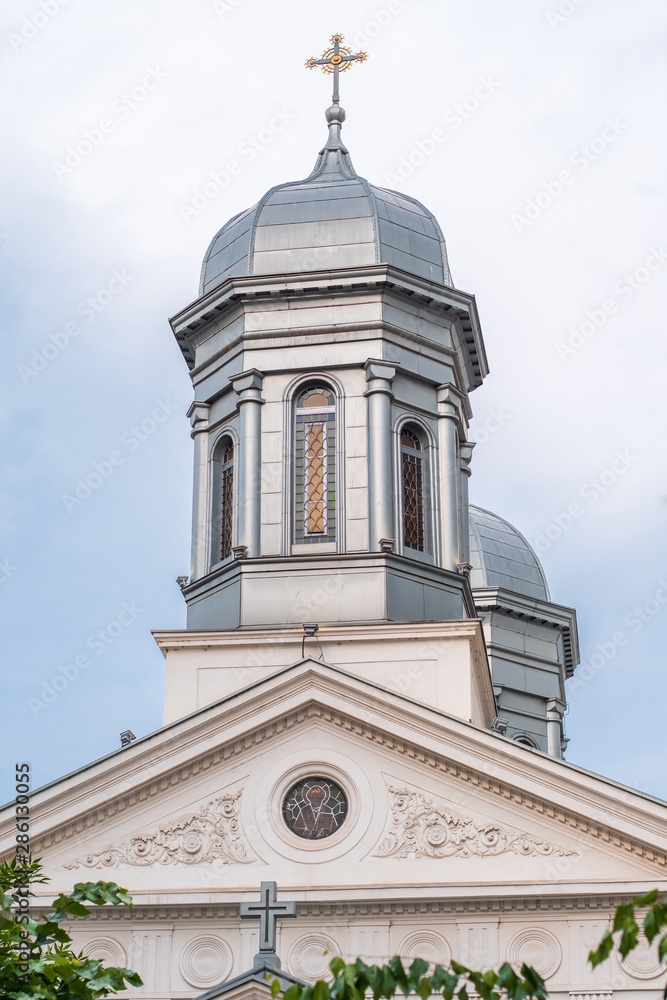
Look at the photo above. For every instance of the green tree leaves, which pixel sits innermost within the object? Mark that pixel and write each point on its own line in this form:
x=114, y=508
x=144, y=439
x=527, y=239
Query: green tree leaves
x=36, y=957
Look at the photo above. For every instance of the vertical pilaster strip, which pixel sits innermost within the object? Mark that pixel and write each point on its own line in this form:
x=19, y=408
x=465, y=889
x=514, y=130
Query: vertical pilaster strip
x=198, y=414
x=248, y=387
x=465, y=449
x=379, y=375
x=555, y=709
x=449, y=402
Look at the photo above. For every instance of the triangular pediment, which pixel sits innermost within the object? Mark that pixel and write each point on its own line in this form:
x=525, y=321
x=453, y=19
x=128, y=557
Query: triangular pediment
x=430, y=800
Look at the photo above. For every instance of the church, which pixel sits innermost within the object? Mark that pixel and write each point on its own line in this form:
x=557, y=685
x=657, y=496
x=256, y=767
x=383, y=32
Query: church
x=363, y=745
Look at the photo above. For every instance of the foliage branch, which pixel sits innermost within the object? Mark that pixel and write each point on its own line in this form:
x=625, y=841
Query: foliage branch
x=36, y=956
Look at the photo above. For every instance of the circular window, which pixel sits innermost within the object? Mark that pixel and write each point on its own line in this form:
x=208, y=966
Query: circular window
x=314, y=808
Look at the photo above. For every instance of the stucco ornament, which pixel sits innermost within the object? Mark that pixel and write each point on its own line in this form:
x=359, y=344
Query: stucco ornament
x=212, y=834
x=419, y=829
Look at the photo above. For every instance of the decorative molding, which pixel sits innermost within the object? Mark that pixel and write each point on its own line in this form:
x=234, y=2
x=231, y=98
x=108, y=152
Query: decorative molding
x=205, y=961
x=641, y=963
x=566, y=906
x=537, y=947
x=309, y=957
x=419, y=829
x=603, y=995
x=212, y=834
x=428, y=945
x=379, y=737
x=110, y=951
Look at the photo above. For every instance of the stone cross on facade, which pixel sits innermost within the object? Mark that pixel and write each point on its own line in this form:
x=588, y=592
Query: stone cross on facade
x=268, y=911
x=336, y=60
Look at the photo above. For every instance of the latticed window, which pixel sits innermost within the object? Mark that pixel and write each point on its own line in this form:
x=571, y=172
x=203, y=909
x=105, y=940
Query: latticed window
x=315, y=465
x=226, y=499
x=412, y=489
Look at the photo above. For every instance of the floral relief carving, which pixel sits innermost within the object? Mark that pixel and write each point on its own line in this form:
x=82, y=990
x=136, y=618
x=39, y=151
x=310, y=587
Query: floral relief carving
x=212, y=834
x=419, y=829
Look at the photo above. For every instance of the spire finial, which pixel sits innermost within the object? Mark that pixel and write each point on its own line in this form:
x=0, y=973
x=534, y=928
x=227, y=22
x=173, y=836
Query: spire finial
x=336, y=60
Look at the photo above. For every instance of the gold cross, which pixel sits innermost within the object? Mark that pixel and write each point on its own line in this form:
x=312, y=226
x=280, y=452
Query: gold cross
x=336, y=59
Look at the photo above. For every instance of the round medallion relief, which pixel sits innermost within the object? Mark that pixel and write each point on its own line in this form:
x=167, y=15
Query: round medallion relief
x=309, y=957
x=107, y=949
x=206, y=961
x=537, y=947
x=315, y=808
x=428, y=945
x=641, y=963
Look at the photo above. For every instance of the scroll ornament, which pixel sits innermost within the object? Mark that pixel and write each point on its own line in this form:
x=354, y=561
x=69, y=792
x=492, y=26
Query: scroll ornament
x=212, y=834
x=419, y=829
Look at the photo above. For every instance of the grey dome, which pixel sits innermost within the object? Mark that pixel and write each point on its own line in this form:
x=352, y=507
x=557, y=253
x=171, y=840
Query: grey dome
x=332, y=219
x=501, y=557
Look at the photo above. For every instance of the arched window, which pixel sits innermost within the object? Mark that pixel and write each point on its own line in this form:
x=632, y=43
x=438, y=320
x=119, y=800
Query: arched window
x=226, y=487
x=412, y=489
x=315, y=465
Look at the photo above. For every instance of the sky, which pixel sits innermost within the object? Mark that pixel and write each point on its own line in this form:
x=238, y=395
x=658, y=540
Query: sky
x=533, y=131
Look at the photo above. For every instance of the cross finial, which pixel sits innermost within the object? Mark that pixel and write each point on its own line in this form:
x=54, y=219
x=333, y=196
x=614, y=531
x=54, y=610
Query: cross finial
x=268, y=911
x=336, y=59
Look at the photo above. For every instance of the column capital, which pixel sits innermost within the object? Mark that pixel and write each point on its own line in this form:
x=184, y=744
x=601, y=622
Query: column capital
x=556, y=706
x=246, y=382
x=198, y=414
x=449, y=396
x=384, y=370
x=465, y=455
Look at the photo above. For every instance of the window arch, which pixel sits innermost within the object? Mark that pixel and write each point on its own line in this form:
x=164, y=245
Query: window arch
x=223, y=508
x=315, y=464
x=525, y=740
x=412, y=489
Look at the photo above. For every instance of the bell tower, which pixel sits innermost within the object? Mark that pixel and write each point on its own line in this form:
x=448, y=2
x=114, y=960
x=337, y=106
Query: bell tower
x=332, y=361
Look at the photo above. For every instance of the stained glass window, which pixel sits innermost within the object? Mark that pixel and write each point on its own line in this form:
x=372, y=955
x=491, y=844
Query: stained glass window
x=226, y=500
x=315, y=808
x=315, y=465
x=412, y=490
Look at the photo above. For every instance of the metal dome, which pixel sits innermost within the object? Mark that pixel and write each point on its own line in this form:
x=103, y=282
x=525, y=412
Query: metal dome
x=332, y=219
x=501, y=557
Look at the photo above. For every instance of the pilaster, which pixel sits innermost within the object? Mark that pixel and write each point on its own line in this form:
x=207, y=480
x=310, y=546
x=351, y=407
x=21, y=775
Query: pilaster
x=449, y=402
x=380, y=375
x=248, y=386
x=199, y=414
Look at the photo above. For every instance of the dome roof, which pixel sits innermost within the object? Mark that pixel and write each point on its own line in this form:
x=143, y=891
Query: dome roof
x=332, y=219
x=501, y=557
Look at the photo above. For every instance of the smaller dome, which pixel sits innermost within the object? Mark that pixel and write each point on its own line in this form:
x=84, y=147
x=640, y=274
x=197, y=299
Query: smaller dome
x=501, y=557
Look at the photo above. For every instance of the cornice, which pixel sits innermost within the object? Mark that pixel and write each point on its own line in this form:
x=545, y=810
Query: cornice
x=533, y=609
x=317, y=282
x=566, y=905
x=347, y=280
x=290, y=634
